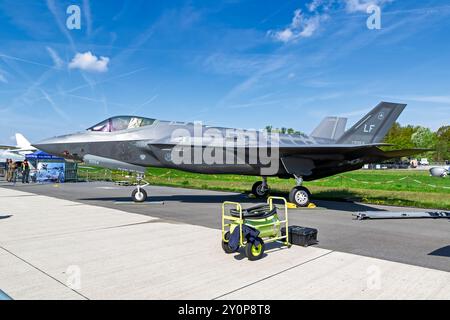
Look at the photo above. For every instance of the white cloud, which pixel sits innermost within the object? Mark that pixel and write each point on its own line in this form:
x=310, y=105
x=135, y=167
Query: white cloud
x=362, y=5
x=311, y=25
x=313, y=5
x=321, y=5
x=305, y=25
x=285, y=35
x=300, y=27
x=57, y=61
x=88, y=62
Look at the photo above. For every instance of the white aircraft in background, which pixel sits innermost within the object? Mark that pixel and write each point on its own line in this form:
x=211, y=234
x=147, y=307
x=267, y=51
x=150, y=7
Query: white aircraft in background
x=17, y=153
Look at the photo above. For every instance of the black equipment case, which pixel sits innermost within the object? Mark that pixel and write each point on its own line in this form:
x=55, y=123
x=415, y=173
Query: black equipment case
x=301, y=236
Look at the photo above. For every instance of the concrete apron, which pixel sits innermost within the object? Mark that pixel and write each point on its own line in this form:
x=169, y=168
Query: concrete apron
x=57, y=249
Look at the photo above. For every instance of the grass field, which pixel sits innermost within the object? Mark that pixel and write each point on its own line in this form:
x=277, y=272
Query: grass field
x=392, y=187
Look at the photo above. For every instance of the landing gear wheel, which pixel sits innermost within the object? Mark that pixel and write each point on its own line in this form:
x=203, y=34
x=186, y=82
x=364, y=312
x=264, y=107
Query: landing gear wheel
x=300, y=196
x=139, y=195
x=259, y=191
x=254, y=252
x=225, y=246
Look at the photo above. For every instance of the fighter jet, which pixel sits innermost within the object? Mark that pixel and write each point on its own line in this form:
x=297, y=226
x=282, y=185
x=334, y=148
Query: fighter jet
x=135, y=143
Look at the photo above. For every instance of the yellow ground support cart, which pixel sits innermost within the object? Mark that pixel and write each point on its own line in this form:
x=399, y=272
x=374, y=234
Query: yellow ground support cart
x=252, y=228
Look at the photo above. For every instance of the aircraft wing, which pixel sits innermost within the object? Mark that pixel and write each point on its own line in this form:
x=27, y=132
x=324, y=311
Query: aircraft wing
x=329, y=148
x=402, y=153
x=322, y=152
x=6, y=147
x=325, y=160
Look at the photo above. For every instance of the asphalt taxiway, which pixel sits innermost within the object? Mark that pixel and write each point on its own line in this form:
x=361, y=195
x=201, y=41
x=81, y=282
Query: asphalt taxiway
x=170, y=248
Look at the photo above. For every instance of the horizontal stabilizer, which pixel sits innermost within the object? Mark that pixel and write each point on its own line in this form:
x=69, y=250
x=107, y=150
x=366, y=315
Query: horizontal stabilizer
x=6, y=147
x=403, y=153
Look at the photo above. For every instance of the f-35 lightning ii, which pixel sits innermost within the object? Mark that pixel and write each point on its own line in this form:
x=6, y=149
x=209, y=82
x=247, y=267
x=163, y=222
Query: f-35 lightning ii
x=134, y=143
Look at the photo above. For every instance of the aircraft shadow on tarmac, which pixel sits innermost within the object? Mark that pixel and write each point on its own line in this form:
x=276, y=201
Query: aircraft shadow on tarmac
x=241, y=198
x=441, y=252
x=184, y=198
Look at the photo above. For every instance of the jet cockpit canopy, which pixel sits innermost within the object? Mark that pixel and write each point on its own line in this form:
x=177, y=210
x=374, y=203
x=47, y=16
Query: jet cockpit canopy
x=121, y=123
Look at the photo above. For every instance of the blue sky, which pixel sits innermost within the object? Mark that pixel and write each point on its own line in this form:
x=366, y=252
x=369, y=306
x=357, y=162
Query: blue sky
x=232, y=63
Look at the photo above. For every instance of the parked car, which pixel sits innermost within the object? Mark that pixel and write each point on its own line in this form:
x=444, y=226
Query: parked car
x=424, y=162
x=396, y=164
x=387, y=165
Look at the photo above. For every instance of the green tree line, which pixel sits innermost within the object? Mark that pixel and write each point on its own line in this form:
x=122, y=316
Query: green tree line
x=408, y=137
x=283, y=130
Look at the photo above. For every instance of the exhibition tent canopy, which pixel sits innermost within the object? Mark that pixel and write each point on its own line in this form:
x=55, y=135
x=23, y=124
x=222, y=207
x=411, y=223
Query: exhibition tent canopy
x=41, y=155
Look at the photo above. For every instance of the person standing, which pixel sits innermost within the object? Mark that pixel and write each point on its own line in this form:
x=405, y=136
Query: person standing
x=13, y=167
x=8, y=170
x=25, y=171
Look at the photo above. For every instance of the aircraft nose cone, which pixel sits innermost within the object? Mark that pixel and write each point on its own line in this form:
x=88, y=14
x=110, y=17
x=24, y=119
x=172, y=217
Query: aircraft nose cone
x=50, y=146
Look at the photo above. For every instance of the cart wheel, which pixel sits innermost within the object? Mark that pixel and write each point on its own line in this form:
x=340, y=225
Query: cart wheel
x=225, y=246
x=254, y=252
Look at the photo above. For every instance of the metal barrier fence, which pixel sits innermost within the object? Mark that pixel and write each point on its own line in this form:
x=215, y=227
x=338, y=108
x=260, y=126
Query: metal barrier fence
x=411, y=179
x=92, y=175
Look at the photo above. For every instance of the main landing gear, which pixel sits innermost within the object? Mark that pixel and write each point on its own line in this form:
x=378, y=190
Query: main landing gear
x=139, y=194
x=299, y=195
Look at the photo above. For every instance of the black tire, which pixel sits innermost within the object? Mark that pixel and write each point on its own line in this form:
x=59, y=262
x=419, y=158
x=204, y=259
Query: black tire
x=254, y=253
x=139, y=197
x=300, y=196
x=225, y=246
x=257, y=190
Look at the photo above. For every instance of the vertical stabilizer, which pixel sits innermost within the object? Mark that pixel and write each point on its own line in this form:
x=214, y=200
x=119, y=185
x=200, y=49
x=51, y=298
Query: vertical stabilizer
x=374, y=126
x=22, y=142
x=331, y=128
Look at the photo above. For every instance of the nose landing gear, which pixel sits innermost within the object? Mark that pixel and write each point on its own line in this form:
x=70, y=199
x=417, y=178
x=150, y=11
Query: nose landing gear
x=139, y=194
x=260, y=188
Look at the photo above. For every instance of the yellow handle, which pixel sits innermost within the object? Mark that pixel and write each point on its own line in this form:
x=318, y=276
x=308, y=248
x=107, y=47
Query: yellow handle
x=270, y=201
x=239, y=208
x=286, y=220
